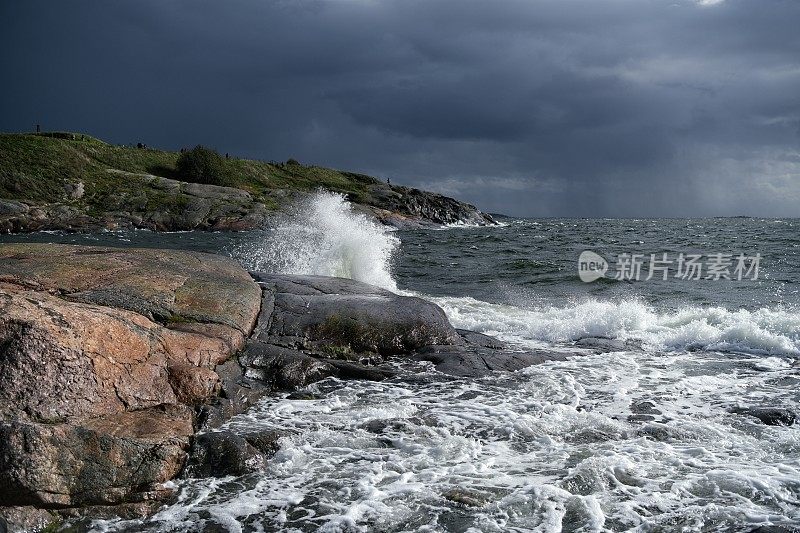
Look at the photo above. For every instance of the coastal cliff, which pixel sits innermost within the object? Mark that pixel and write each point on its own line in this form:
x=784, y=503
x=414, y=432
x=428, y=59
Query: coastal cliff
x=74, y=182
x=117, y=365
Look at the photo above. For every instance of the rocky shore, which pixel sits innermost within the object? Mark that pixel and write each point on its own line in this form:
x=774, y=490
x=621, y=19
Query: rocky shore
x=73, y=182
x=216, y=208
x=118, y=365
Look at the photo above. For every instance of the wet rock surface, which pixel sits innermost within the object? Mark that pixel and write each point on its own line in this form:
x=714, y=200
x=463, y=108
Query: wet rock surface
x=475, y=361
x=223, y=453
x=227, y=453
x=283, y=368
x=605, y=345
x=312, y=327
x=342, y=316
x=771, y=416
x=237, y=394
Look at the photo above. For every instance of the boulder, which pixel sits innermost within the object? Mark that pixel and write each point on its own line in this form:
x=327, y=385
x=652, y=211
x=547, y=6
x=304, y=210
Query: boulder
x=341, y=316
x=476, y=361
x=225, y=453
x=313, y=327
x=771, y=416
x=605, y=345
x=74, y=191
x=466, y=497
x=349, y=370
x=24, y=519
x=479, y=339
x=237, y=394
x=167, y=286
x=284, y=369
x=105, y=355
x=119, y=458
x=13, y=207
x=62, y=360
x=479, y=355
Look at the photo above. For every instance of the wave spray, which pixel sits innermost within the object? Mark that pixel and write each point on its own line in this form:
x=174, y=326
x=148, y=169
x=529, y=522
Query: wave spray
x=325, y=237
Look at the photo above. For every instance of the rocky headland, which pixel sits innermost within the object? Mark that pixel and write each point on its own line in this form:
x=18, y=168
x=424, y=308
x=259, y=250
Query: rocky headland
x=118, y=365
x=74, y=182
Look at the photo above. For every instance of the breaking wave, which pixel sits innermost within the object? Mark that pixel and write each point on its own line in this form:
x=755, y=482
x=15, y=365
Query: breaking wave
x=762, y=331
x=325, y=237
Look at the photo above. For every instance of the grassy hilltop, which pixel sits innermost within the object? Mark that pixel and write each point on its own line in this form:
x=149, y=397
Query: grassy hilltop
x=38, y=167
x=74, y=181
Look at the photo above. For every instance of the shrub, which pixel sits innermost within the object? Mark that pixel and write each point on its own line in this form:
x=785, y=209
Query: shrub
x=202, y=165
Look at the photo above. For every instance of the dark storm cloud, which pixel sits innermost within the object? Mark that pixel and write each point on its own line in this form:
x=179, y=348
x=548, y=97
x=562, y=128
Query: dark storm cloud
x=535, y=107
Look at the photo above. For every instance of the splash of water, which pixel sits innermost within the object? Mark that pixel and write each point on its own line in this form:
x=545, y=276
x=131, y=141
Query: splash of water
x=773, y=332
x=325, y=237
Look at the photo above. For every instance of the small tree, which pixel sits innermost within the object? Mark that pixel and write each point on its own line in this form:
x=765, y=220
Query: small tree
x=202, y=165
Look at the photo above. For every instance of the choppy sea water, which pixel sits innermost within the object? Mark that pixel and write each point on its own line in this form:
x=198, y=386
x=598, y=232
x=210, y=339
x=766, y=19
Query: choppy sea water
x=640, y=437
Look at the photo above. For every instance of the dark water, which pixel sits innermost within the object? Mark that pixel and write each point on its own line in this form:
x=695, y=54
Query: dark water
x=540, y=257
x=633, y=438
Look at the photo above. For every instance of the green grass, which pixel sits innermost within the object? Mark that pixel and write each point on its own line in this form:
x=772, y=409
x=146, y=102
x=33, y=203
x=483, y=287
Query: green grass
x=36, y=167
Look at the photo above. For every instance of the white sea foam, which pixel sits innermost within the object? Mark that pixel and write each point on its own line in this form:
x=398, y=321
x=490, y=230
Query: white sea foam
x=461, y=224
x=546, y=449
x=325, y=237
x=763, y=331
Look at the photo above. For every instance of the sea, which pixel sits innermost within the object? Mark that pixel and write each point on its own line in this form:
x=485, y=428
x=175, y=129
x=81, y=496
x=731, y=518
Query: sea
x=642, y=428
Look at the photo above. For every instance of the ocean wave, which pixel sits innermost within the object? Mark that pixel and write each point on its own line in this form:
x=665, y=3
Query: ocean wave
x=461, y=224
x=763, y=331
x=325, y=237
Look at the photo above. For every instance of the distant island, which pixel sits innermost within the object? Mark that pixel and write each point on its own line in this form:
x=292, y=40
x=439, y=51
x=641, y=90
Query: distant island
x=75, y=182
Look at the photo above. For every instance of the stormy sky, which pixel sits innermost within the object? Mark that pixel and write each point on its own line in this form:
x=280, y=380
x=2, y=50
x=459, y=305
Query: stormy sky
x=530, y=108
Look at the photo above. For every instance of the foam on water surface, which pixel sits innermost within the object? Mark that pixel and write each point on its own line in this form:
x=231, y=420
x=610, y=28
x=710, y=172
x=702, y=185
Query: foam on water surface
x=559, y=445
x=774, y=332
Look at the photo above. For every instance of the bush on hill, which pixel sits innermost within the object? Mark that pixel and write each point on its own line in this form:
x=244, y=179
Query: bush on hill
x=202, y=165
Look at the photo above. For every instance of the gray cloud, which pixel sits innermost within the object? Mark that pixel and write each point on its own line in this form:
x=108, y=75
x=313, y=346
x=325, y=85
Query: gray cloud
x=544, y=107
